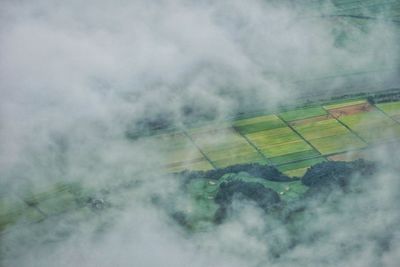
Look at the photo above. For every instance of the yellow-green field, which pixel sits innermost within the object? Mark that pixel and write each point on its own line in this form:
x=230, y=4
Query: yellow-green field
x=224, y=147
x=281, y=145
x=297, y=169
x=256, y=124
x=329, y=136
x=293, y=140
x=178, y=152
x=392, y=109
x=344, y=103
x=302, y=113
x=372, y=126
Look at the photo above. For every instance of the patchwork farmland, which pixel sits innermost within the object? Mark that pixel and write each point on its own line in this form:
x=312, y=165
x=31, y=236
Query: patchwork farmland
x=291, y=140
x=215, y=133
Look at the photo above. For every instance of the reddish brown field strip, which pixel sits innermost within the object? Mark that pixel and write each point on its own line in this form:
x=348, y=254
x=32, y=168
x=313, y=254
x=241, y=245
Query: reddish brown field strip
x=310, y=120
x=350, y=110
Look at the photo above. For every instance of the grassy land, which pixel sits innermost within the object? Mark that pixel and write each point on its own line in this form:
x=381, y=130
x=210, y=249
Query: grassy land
x=201, y=207
x=329, y=136
x=320, y=129
x=301, y=164
x=296, y=172
x=344, y=103
x=373, y=126
x=202, y=165
x=261, y=123
x=238, y=159
x=278, y=142
x=226, y=147
x=249, y=140
x=337, y=143
x=294, y=157
x=177, y=152
x=268, y=136
x=378, y=134
x=374, y=117
x=302, y=113
x=391, y=108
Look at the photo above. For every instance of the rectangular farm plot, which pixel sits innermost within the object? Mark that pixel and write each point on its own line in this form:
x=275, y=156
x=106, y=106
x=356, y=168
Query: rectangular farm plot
x=392, y=109
x=373, y=126
x=281, y=145
x=178, y=153
x=298, y=169
x=225, y=147
x=352, y=109
x=338, y=143
x=329, y=136
x=346, y=103
x=302, y=113
x=260, y=123
x=309, y=153
x=202, y=165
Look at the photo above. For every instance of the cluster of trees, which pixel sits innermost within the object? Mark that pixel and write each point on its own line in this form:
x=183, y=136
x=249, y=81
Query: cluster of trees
x=336, y=173
x=254, y=169
x=323, y=173
x=264, y=197
x=320, y=178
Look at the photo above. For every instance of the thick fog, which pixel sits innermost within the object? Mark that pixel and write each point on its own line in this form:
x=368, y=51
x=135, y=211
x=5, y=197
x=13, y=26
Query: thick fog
x=76, y=76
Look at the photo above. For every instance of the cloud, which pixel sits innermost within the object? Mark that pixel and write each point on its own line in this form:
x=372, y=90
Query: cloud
x=75, y=76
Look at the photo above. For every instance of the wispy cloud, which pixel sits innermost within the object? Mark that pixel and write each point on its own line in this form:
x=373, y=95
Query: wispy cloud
x=74, y=76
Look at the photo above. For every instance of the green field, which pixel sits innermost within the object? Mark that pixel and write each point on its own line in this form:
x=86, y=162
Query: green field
x=201, y=206
x=267, y=139
x=345, y=103
x=294, y=157
x=261, y=123
x=271, y=139
x=392, y=109
x=320, y=129
x=224, y=147
x=202, y=165
x=337, y=143
x=329, y=136
x=372, y=126
x=178, y=152
x=140, y=174
x=302, y=113
x=281, y=144
x=300, y=167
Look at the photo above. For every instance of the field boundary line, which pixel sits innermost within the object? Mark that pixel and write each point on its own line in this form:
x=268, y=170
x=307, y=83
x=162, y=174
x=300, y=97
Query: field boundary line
x=33, y=206
x=347, y=127
x=301, y=137
x=254, y=146
x=199, y=149
x=300, y=160
x=384, y=113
